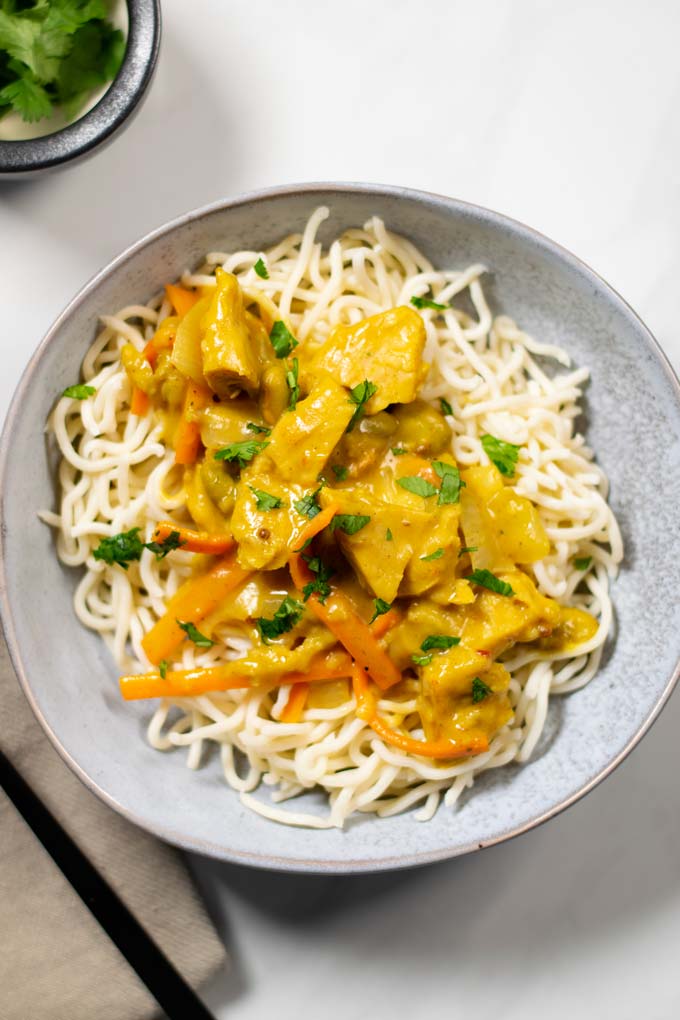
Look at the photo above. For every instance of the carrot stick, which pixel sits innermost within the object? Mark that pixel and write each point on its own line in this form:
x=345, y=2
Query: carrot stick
x=188, y=435
x=194, y=541
x=181, y=299
x=160, y=341
x=384, y=623
x=139, y=404
x=191, y=603
x=295, y=706
x=474, y=742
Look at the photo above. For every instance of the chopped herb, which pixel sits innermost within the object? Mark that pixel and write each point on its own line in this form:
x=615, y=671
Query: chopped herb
x=380, y=607
x=161, y=549
x=419, y=486
x=503, y=455
x=422, y=660
x=80, y=391
x=439, y=641
x=388, y=535
x=436, y=555
x=163, y=668
x=121, y=549
x=340, y=472
x=360, y=396
x=399, y=451
x=423, y=302
x=480, y=690
x=445, y=406
x=261, y=269
x=282, y=340
x=468, y=549
x=241, y=452
x=349, y=523
x=451, y=482
x=322, y=574
x=308, y=505
x=485, y=579
x=583, y=563
x=265, y=500
x=305, y=545
x=200, y=640
x=292, y=380
x=260, y=430
x=284, y=619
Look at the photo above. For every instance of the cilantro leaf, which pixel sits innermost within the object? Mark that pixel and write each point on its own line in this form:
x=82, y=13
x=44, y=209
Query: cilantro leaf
x=360, y=395
x=388, y=535
x=451, y=482
x=399, y=451
x=380, y=607
x=422, y=660
x=241, y=452
x=282, y=340
x=284, y=619
x=261, y=270
x=468, y=549
x=260, y=430
x=79, y=391
x=166, y=545
x=439, y=641
x=419, y=486
x=583, y=563
x=445, y=406
x=292, y=381
x=265, y=500
x=322, y=574
x=200, y=640
x=340, y=472
x=163, y=668
x=27, y=98
x=485, y=579
x=503, y=455
x=121, y=549
x=308, y=505
x=423, y=302
x=436, y=555
x=94, y=57
x=480, y=690
x=349, y=523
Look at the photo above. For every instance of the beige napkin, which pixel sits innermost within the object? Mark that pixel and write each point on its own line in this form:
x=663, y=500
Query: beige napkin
x=56, y=962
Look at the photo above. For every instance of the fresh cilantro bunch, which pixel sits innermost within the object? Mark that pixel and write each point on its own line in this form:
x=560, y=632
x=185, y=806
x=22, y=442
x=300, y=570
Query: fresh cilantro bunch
x=55, y=52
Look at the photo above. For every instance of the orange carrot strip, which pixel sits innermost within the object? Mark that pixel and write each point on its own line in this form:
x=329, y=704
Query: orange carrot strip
x=474, y=742
x=194, y=541
x=181, y=299
x=188, y=436
x=139, y=404
x=384, y=623
x=192, y=602
x=295, y=706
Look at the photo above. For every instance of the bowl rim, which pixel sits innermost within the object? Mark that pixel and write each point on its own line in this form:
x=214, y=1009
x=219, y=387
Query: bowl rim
x=265, y=860
x=120, y=101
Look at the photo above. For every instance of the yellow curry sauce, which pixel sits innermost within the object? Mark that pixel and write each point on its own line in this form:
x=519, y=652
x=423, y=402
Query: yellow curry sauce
x=420, y=569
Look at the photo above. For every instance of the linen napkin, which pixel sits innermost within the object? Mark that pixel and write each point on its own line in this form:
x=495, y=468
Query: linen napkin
x=56, y=962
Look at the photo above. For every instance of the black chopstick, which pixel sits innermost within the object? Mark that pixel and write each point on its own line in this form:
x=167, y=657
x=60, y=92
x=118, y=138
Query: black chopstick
x=165, y=983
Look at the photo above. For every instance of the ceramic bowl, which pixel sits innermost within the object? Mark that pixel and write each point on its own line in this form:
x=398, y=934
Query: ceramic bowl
x=632, y=421
x=122, y=99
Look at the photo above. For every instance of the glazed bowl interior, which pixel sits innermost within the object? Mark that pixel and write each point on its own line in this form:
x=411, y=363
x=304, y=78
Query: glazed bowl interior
x=632, y=419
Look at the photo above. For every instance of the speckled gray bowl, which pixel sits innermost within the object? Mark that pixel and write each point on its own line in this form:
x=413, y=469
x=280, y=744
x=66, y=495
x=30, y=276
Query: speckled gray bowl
x=633, y=410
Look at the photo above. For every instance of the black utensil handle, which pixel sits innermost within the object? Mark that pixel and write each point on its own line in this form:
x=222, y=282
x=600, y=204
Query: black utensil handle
x=165, y=983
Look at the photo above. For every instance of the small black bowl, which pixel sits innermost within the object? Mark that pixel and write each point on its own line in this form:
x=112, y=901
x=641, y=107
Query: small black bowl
x=113, y=111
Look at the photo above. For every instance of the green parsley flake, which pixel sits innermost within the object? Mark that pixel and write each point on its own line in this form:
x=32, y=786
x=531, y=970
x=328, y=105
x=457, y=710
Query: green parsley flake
x=360, y=396
x=480, y=690
x=261, y=269
x=265, y=500
x=162, y=548
x=319, y=586
x=292, y=381
x=340, y=472
x=503, y=455
x=282, y=340
x=308, y=506
x=200, y=640
x=583, y=563
x=284, y=619
x=163, y=668
x=422, y=660
x=399, y=451
x=468, y=549
x=436, y=555
x=380, y=607
x=445, y=406
x=418, y=486
x=388, y=535
x=121, y=549
x=449, y=492
x=423, y=302
x=485, y=579
x=439, y=641
x=80, y=391
x=260, y=430
x=241, y=452
x=349, y=523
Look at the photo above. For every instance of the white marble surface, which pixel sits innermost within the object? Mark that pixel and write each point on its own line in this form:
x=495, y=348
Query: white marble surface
x=564, y=116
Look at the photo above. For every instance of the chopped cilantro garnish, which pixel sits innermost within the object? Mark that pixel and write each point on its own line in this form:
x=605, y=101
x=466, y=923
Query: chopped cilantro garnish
x=422, y=660
x=308, y=506
x=451, y=482
x=503, y=455
x=241, y=452
x=265, y=500
x=121, y=549
x=360, y=396
x=468, y=549
x=349, y=523
x=423, y=302
x=399, y=451
x=163, y=668
x=166, y=545
x=282, y=340
x=485, y=579
x=319, y=586
x=284, y=619
x=292, y=381
x=261, y=269
x=388, y=535
x=480, y=690
x=80, y=391
x=200, y=640
x=419, y=486
x=436, y=555
x=445, y=406
x=340, y=472
x=380, y=607
x=439, y=641
x=260, y=430
x=583, y=563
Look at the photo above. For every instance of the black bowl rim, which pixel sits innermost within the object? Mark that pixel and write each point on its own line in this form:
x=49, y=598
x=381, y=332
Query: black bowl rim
x=104, y=120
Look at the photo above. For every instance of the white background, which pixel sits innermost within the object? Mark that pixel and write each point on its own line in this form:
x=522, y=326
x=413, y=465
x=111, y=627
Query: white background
x=565, y=116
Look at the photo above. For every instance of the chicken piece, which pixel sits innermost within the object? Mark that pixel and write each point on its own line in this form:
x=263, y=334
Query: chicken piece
x=496, y=621
x=386, y=349
x=463, y=690
x=230, y=354
x=265, y=536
